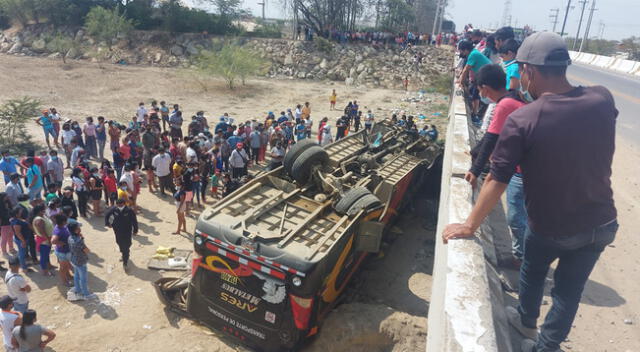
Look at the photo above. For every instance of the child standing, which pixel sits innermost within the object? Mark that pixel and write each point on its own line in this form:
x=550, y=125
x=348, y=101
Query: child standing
x=110, y=187
x=215, y=182
x=332, y=100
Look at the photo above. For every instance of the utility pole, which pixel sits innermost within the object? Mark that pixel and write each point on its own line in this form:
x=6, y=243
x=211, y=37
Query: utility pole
x=586, y=34
x=575, y=41
x=566, y=14
x=263, y=3
x=506, y=13
x=554, y=17
x=436, y=17
x=601, y=36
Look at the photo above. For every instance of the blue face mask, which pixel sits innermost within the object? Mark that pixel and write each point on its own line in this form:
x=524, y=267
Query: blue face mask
x=525, y=91
x=526, y=95
x=486, y=100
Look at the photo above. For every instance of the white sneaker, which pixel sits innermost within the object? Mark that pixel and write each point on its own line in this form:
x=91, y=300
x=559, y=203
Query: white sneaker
x=513, y=316
x=528, y=345
x=91, y=296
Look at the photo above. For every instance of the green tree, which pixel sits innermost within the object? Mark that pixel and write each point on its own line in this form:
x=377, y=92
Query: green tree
x=14, y=116
x=107, y=25
x=17, y=10
x=631, y=46
x=230, y=63
x=62, y=44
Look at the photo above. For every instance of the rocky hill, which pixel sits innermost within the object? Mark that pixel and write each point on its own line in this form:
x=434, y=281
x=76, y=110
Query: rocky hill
x=352, y=64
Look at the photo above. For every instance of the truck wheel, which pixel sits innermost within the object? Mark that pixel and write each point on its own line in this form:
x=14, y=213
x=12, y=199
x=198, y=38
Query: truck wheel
x=369, y=201
x=295, y=151
x=349, y=198
x=303, y=165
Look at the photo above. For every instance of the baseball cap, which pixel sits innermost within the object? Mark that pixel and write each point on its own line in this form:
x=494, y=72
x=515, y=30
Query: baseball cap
x=5, y=301
x=544, y=49
x=14, y=176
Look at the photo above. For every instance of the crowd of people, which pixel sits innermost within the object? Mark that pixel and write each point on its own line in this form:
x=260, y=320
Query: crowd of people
x=538, y=145
x=98, y=168
x=381, y=38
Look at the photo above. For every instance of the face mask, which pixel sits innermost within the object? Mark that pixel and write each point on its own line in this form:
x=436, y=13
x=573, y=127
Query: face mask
x=120, y=208
x=124, y=188
x=525, y=91
x=486, y=100
x=190, y=169
x=54, y=158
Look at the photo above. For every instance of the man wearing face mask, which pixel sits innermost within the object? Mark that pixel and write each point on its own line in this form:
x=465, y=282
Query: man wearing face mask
x=124, y=223
x=491, y=81
x=564, y=143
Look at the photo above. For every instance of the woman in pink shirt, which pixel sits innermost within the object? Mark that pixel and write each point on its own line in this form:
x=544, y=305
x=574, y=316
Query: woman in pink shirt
x=89, y=130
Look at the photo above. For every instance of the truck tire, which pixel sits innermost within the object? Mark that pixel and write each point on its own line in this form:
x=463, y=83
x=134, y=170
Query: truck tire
x=349, y=198
x=303, y=165
x=295, y=151
x=369, y=201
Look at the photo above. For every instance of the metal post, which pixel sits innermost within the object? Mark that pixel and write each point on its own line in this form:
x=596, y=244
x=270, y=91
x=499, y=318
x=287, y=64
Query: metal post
x=586, y=34
x=575, y=41
x=566, y=14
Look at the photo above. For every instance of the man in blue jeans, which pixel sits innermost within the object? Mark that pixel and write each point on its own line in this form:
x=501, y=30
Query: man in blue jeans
x=564, y=143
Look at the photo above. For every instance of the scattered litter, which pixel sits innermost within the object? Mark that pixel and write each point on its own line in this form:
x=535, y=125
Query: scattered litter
x=138, y=289
x=437, y=114
x=67, y=324
x=56, y=307
x=148, y=327
x=628, y=321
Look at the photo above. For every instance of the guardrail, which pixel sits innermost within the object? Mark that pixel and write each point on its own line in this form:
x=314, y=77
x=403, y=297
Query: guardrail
x=608, y=62
x=464, y=313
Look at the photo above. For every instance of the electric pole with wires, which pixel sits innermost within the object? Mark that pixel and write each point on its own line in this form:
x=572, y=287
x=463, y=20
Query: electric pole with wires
x=554, y=17
x=575, y=41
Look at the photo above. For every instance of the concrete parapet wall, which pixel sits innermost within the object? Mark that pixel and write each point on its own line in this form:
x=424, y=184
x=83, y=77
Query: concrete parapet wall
x=608, y=62
x=461, y=311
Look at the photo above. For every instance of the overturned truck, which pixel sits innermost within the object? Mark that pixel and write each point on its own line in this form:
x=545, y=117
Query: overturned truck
x=273, y=257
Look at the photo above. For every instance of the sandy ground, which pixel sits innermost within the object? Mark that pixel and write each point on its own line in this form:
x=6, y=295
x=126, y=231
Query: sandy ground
x=129, y=316
x=609, y=315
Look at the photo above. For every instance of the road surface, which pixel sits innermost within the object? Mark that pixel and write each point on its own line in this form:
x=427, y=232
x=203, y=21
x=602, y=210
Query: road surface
x=609, y=316
x=625, y=89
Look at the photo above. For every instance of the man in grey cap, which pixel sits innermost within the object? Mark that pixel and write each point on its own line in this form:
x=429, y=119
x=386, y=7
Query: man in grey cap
x=564, y=143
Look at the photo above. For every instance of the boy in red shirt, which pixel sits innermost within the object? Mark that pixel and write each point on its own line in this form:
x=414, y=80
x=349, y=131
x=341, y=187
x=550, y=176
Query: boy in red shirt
x=110, y=187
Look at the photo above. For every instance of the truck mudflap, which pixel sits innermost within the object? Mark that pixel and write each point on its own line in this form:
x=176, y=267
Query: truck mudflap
x=172, y=292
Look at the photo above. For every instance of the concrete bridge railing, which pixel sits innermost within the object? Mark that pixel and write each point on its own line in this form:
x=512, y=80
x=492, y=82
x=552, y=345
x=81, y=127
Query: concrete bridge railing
x=466, y=312
x=608, y=62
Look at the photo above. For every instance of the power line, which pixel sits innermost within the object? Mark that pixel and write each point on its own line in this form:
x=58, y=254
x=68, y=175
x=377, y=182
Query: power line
x=575, y=41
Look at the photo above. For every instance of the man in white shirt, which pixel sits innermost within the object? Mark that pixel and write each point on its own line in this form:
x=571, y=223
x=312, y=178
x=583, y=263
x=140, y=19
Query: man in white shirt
x=14, y=189
x=238, y=161
x=162, y=165
x=141, y=112
x=8, y=320
x=17, y=286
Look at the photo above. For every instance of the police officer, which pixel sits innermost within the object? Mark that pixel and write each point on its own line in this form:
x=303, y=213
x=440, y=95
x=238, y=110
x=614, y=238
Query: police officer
x=124, y=223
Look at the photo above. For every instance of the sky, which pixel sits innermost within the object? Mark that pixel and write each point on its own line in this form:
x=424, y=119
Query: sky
x=620, y=17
